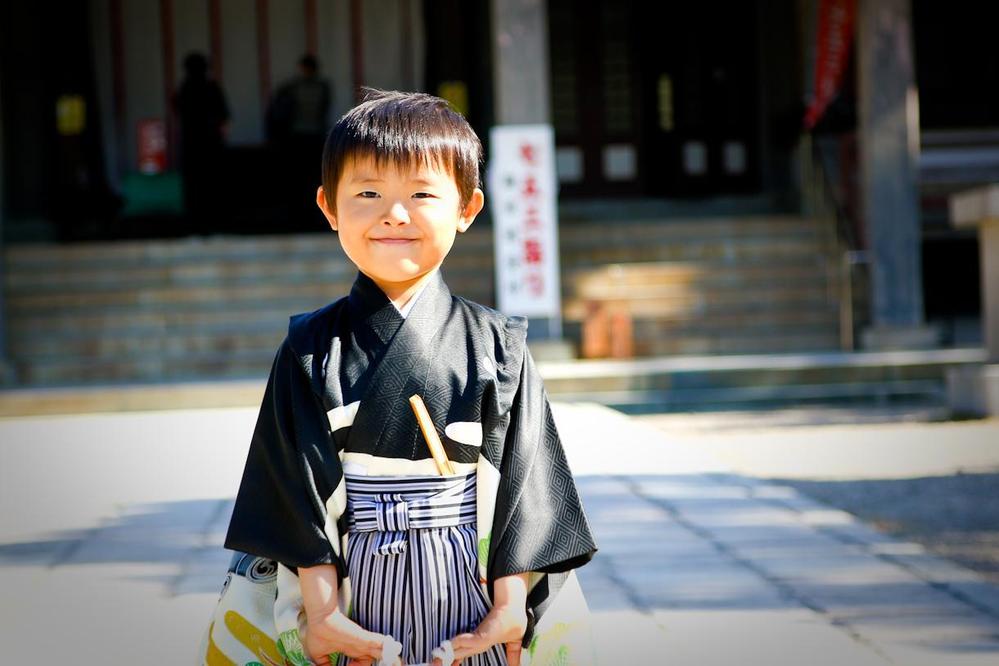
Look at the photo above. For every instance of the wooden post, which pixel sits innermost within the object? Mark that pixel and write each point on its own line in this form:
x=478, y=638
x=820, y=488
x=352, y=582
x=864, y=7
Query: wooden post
x=357, y=46
x=976, y=389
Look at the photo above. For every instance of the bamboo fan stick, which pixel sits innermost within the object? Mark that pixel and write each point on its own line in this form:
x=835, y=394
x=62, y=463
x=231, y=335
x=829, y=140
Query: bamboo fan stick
x=444, y=465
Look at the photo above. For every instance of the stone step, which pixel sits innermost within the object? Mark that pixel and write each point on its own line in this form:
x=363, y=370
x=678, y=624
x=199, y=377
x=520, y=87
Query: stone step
x=171, y=296
x=764, y=342
x=74, y=371
x=641, y=230
x=572, y=235
x=290, y=271
x=229, y=319
x=169, y=310
x=692, y=303
x=763, y=251
x=758, y=397
x=764, y=264
x=609, y=278
x=695, y=383
x=219, y=331
x=129, y=345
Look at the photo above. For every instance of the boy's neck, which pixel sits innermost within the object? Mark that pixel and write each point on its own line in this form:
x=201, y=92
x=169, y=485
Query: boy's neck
x=400, y=293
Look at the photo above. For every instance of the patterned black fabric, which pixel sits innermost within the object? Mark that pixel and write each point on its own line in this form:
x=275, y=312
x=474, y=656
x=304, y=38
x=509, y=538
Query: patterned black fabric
x=470, y=364
x=280, y=507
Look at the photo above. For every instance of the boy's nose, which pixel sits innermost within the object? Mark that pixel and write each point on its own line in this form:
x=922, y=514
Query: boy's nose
x=397, y=214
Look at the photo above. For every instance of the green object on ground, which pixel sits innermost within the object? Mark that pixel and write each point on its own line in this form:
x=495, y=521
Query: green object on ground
x=152, y=194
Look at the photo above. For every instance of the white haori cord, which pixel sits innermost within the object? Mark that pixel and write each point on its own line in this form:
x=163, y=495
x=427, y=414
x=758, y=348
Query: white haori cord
x=445, y=653
x=391, y=650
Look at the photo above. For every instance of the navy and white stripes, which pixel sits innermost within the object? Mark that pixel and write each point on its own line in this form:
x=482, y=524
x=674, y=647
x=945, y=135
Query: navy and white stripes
x=412, y=561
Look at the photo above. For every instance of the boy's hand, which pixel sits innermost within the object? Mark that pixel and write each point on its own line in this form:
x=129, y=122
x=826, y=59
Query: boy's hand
x=503, y=624
x=335, y=632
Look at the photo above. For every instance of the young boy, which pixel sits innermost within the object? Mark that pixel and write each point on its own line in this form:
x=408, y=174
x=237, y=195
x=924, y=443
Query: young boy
x=375, y=555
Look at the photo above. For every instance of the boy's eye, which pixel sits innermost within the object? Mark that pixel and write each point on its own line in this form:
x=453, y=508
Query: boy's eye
x=367, y=194
x=423, y=195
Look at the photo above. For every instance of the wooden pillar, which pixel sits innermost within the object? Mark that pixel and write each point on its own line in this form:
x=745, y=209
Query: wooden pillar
x=406, y=41
x=169, y=83
x=118, y=86
x=311, y=28
x=357, y=46
x=264, y=55
x=215, y=40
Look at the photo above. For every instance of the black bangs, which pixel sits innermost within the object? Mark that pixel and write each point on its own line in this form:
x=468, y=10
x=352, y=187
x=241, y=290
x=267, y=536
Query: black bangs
x=404, y=130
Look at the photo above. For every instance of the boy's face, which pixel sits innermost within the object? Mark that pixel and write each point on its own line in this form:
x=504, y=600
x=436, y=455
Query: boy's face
x=397, y=223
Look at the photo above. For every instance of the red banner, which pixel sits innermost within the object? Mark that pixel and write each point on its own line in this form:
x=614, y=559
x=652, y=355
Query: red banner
x=834, y=38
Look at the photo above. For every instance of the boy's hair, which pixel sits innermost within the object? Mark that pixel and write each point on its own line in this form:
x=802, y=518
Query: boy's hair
x=403, y=129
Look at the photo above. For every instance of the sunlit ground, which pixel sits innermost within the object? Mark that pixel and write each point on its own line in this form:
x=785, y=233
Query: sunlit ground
x=112, y=524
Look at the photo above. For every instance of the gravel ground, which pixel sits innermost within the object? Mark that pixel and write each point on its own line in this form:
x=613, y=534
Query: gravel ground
x=956, y=517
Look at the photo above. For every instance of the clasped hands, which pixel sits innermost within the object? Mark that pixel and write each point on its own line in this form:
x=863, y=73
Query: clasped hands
x=335, y=632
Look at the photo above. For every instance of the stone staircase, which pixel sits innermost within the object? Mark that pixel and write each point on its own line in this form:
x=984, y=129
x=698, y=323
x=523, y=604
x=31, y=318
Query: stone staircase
x=708, y=286
x=216, y=308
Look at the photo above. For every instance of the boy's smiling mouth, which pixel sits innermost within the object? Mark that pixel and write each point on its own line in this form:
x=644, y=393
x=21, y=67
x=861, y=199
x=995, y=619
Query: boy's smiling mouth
x=392, y=240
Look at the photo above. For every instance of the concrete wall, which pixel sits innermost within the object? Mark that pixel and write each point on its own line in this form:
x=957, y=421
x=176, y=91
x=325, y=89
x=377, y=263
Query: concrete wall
x=240, y=78
x=334, y=53
x=143, y=63
x=383, y=49
x=191, y=32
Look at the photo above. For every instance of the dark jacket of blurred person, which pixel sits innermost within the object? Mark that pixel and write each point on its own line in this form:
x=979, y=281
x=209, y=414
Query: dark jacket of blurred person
x=203, y=112
x=300, y=108
x=297, y=122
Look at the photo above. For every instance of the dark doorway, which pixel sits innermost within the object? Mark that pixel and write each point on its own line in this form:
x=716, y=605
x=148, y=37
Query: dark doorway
x=655, y=98
x=595, y=100
x=700, y=86
x=55, y=182
x=458, y=58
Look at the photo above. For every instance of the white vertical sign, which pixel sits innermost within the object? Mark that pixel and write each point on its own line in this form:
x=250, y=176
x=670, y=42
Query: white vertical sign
x=522, y=191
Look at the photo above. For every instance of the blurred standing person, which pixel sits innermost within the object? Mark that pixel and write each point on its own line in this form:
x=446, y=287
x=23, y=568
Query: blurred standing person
x=201, y=107
x=297, y=121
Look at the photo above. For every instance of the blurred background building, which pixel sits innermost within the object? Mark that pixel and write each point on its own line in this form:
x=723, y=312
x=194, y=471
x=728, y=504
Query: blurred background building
x=736, y=178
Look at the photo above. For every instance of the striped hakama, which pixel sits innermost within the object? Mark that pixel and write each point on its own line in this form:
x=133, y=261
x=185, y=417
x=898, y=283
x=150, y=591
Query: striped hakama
x=412, y=561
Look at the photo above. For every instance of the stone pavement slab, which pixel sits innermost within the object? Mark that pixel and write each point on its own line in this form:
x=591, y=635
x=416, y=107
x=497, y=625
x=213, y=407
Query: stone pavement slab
x=112, y=524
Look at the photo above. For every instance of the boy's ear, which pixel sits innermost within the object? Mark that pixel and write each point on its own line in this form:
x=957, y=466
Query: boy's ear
x=321, y=202
x=473, y=208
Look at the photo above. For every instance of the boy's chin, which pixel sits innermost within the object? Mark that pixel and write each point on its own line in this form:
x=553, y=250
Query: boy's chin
x=399, y=277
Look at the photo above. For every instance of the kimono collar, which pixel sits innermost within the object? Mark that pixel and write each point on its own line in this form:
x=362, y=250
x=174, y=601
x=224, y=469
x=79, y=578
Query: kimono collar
x=370, y=308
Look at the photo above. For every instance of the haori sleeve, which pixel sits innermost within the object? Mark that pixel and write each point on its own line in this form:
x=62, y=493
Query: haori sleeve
x=280, y=511
x=539, y=523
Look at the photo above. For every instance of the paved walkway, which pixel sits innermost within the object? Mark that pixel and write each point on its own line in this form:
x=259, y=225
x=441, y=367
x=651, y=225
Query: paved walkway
x=111, y=525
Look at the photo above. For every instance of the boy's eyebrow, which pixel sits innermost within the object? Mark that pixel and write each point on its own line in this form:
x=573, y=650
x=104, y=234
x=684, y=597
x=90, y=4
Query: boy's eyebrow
x=367, y=178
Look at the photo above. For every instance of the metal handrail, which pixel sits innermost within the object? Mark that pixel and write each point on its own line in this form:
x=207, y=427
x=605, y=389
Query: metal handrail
x=820, y=201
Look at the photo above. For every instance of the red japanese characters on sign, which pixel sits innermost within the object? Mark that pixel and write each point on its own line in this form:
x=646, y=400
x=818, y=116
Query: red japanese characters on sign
x=152, y=145
x=522, y=187
x=533, y=253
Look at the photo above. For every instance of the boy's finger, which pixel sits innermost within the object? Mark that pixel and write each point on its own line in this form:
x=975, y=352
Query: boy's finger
x=513, y=653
